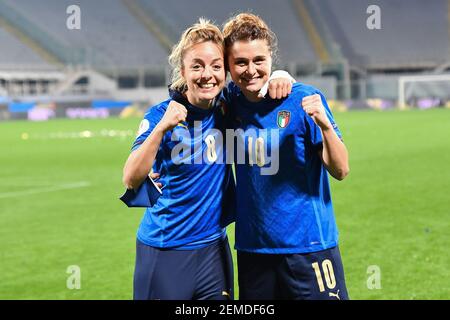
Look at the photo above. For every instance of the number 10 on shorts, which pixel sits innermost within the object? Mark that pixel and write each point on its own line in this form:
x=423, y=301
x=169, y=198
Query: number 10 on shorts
x=327, y=269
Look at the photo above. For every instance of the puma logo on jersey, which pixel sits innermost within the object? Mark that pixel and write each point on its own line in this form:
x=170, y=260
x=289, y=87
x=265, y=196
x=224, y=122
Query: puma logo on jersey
x=182, y=125
x=331, y=294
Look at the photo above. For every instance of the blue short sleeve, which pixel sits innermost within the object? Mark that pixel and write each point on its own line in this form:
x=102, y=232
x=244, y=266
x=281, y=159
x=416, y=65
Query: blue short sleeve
x=147, y=125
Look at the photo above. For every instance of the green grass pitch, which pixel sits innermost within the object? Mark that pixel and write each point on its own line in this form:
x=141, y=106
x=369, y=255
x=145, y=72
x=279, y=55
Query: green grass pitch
x=60, y=181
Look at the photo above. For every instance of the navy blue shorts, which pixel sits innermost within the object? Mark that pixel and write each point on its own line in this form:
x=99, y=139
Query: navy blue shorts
x=310, y=276
x=200, y=274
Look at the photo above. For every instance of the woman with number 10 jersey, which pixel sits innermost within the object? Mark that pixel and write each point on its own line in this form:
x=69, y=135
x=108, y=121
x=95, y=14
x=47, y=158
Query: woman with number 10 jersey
x=286, y=234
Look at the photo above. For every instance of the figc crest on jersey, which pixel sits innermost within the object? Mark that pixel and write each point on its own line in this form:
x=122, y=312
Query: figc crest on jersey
x=283, y=119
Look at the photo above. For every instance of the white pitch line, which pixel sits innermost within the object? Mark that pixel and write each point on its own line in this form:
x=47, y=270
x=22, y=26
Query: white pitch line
x=31, y=184
x=74, y=185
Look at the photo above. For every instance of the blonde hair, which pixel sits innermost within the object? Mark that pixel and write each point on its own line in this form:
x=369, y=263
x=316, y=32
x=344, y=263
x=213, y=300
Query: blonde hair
x=202, y=31
x=247, y=27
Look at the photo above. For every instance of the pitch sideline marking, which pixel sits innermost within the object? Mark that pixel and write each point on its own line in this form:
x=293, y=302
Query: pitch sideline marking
x=75, y=185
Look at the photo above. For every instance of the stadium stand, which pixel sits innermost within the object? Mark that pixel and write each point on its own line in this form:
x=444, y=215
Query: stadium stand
x=121, y=51
x=280, y=15
x=413, y=33
x=15, y=52
x=112, y=37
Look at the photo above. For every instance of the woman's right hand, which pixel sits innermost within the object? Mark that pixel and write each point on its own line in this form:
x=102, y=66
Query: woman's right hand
x=174, y=114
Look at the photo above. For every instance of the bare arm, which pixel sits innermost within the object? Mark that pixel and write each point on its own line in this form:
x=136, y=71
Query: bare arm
x=140, y=161
x=334, y=154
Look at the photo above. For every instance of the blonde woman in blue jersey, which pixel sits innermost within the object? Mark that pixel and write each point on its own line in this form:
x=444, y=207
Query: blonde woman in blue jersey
x=182, y=251
x=286, y=234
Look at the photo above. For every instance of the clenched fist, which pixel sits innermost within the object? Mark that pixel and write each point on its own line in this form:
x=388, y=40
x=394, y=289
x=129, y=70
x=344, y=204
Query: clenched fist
x=174, y=114
x=314, y=108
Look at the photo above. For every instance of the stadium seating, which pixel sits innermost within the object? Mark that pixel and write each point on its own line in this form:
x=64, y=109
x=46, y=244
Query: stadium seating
x=413, y=32
x=113, y=37
x=280, y=15
x=16, y=53
x=128, y=41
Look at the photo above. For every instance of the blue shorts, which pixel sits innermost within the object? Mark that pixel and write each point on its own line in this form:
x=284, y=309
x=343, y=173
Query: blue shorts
x=306, y=276
x=200, y=274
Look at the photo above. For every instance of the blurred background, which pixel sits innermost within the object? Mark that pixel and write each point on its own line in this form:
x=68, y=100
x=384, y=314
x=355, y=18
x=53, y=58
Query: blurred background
x=118, y=57
x=77, y=76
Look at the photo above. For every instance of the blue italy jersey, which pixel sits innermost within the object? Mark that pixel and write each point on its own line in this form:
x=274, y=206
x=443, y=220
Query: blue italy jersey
x=190, y=212
x=283, y=194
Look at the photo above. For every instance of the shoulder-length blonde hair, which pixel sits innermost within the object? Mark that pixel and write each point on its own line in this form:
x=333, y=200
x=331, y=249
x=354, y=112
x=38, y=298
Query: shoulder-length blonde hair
x=200, y=32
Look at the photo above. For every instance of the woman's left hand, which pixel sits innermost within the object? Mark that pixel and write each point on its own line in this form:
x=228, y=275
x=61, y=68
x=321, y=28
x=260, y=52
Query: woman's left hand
x=279, y=88
x=313, y=106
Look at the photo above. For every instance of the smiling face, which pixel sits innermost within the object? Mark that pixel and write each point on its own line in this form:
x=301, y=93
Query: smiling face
x=250, y=63
x=204, y=72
